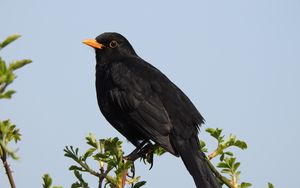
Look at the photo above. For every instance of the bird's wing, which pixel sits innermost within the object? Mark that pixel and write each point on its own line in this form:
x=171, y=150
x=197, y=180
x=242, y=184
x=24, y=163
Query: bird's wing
x=134, y=97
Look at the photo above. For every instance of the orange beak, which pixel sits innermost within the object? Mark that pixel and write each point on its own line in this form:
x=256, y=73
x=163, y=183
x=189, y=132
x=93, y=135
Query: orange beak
x=93, y=43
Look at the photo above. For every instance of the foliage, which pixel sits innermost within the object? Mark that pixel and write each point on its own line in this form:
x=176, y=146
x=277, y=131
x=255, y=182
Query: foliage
x=48, y=182
x=109, y=155
x=227, y=162
x=114, y=168
x=7, y=75
x=8, y=131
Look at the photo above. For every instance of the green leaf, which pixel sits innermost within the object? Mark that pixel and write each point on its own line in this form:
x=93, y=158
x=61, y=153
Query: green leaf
x=18, y=64
x=223, y=165
x=139, y=184
x=235, y=166
x=245, y=185
x=7, y=95
x=81, y=182
x=159, y=151
x=88, y=153
x=74, y=167
x=9, y=40
x=76, y=185
x=47, y=181
x=230, y=161
x=91, y=140
x=226, y=171
x=222, y=157
x=216, y=133
x=202, y=146
x=241, y=144
x=228, y=153
x=270, y=185
x=8, y=133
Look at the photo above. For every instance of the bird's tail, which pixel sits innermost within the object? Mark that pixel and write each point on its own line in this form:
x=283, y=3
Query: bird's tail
x=195, y=161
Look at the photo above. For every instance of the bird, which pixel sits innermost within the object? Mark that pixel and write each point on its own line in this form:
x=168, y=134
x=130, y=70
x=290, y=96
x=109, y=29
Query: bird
x=143, y=104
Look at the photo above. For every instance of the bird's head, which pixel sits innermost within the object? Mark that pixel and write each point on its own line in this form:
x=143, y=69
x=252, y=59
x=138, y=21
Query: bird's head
x=110, y=46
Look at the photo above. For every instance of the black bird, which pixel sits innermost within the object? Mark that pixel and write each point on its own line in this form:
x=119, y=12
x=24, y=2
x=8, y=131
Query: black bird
x=143, y=104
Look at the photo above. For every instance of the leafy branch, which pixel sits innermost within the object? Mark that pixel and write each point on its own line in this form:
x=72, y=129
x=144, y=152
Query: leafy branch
x=8, y=131
x=227, y=162
x=113, y=167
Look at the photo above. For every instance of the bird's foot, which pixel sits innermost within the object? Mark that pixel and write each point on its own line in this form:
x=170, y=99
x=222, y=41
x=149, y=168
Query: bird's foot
x=135, y=151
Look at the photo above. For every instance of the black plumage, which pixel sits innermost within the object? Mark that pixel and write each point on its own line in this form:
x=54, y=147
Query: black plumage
x=143, y=104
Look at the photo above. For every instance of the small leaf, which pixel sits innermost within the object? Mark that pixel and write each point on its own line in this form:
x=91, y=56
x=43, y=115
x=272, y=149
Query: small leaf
x=81, y=182
x=202, y=146
x=230, y=161
x=91, y=140
x=47, y=181
x=228, y=153
x=73, y=167
x=159, y=151
x=7, y=95
x=88, y=153
x=139, y=184
x=9, y=40
x=270, y=185
x=223, y=165
x=235, y=166
x=226, y=171
x=18, y=64
x=241, y=144
x=216, y=133
x=222, y=157
x=245, y=185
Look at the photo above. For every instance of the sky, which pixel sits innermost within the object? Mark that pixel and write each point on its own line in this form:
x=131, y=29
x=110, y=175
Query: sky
x=238, y=61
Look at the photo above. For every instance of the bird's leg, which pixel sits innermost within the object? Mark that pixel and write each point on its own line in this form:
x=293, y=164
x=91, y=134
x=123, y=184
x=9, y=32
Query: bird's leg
x=145, y=151
x=132, y=155
x=135, y=151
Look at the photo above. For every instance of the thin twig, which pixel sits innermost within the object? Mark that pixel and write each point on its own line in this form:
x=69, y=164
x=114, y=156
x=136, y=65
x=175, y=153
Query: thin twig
x=87, y=168
x=101, y=177
x=215, y=153
x=122, y=182
x=7, y=169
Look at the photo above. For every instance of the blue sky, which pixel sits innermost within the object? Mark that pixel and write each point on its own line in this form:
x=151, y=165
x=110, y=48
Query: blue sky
x=238, y=61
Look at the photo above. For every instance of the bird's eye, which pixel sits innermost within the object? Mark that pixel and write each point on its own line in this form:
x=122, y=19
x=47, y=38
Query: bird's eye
x=113, y=44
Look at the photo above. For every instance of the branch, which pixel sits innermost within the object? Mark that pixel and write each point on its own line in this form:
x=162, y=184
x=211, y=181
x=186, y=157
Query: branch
x=7, y=169
x=219, y=176
x=215, y=153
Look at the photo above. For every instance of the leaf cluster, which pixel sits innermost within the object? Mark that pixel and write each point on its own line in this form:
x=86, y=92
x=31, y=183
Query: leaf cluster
x=7, y=75
x=113, y=168
x=47, y=182
x=227, y=162
x=8, y=131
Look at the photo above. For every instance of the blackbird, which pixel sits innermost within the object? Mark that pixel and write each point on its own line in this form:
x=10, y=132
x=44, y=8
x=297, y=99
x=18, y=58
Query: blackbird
x=143, y=104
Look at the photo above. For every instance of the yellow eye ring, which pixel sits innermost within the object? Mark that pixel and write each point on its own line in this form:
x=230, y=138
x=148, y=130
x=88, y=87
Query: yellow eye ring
x=113, y=44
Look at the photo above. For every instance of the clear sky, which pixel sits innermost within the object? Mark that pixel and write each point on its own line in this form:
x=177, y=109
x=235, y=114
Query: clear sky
x=237, y=60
